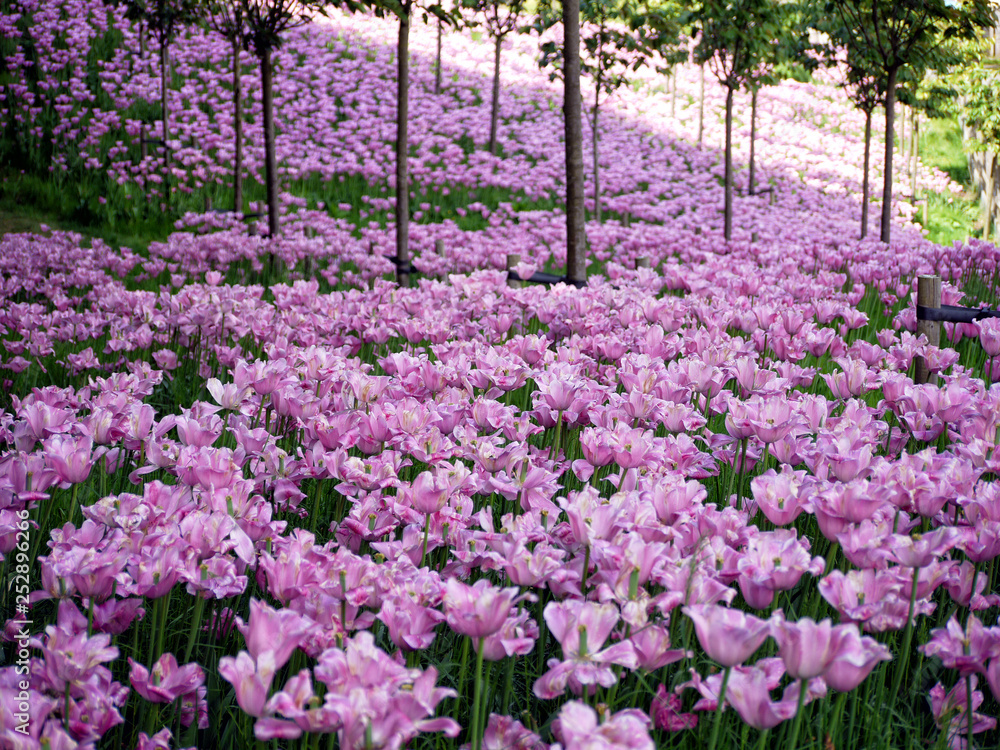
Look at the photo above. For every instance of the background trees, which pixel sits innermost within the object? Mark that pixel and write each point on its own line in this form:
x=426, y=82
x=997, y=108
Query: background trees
x=266, y=21
x=905, y=34
x=226, y=17
x=163, y=19
x=735, y=36
x=500, y=20
x=981, y=94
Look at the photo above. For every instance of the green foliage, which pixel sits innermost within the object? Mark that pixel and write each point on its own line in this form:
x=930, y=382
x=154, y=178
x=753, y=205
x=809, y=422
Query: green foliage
x=981, y=92
x=917, y=34
x=611, y=49
x=162, y=17
x=500, y=18
x=743, y=41
x=660, y=27
x=942, y=148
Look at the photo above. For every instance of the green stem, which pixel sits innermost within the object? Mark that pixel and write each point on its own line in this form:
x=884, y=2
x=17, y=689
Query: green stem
x=803, y=689
x=968, y=711
x=904, y=655
x=739, y=479
x=558, y=439
x=316, y=504
x=72, y=505
x=427, y=526
x=199, y=608
x=163, y=604
x=732, y=475
x=460, y=687
x=718, y=709
x=475, y=728
x=838, y=712
x=508, y=685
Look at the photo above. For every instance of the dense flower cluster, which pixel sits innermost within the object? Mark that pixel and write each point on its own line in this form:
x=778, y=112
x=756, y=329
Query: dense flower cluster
x=354, y=502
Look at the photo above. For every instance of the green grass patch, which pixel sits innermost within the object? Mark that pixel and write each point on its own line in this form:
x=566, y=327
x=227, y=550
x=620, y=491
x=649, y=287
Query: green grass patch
x=949, y=217
x=942, y=148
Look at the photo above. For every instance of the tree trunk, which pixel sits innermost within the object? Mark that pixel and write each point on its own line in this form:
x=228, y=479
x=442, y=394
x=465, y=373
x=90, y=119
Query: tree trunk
x=885, y=233
x=990, y=186
x=914, y=156
x=402, y=150
x=576, y=237
x=495, y=106
x=164, y=56
x=597, y=169
x=143, y=153
x=701, y=105
x=238, y=130
x=753, y=138
x=865, y=185
x=270, y=159
x=902, y=135
x=728, y=209
x=673, y=92
x=437, y=65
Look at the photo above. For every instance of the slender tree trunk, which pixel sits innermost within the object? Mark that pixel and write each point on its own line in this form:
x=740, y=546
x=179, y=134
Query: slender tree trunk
x=238, y=130
x=728, y=209
x=495, y=106
x=753, y=138
x=865, y=183
x=164, y=57
x=902, y=134
x=576, y=237
x=143, y=152
x=885, y=233
x=701, y=104
x=437, y=65
x=597, y=169
x=270, y=159
x=673, y=91
x=402, y=149
x=990, y=186
x=914, y=156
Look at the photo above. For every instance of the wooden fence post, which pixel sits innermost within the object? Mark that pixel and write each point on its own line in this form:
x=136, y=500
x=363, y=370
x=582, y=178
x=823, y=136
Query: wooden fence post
x=928, y=295
x=208, y=203
x=512, y=260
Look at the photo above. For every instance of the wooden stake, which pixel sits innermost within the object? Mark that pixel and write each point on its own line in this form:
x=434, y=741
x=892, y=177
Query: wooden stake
x=928, y=295
x=512, y=260
x=643, y=261
x=439, y=247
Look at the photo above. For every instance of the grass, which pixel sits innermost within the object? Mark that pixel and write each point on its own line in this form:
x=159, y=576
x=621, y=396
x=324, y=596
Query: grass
x=29, y=201
x=949, y=217
x=943, y=149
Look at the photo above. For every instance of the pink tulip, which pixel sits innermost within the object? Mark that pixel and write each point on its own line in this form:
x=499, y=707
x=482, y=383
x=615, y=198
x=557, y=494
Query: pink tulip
x=728, y=636
x=166, y=681
x=855, y=658
x=479, y=610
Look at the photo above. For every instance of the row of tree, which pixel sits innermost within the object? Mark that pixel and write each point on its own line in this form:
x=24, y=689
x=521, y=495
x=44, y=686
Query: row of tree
x=747, y=44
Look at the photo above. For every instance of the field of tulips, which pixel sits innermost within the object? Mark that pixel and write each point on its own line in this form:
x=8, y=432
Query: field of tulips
x=253, y=491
